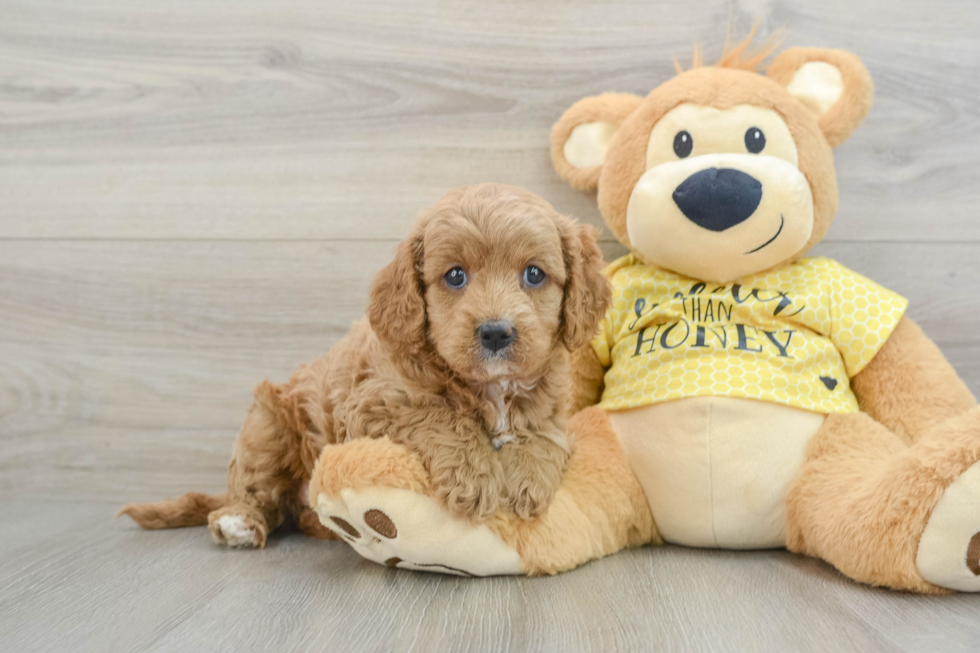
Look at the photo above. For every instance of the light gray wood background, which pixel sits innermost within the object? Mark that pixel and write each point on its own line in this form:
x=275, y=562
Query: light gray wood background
x=194, y=195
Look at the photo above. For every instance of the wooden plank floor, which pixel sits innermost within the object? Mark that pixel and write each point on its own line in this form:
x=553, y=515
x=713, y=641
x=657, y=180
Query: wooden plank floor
x=194, y=195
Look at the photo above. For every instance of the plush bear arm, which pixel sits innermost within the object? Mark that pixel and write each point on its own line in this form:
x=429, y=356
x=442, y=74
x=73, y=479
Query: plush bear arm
x=377, y=496
x=599, y=508
x=909, y=386
x=587, y=375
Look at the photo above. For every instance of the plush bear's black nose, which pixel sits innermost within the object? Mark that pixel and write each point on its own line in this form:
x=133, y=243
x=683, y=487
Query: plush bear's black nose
x=495, y=335
x=718, y=198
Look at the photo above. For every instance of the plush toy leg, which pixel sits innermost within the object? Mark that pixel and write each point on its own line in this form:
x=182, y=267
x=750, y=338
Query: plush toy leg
x=877, y=508
x=377, y=496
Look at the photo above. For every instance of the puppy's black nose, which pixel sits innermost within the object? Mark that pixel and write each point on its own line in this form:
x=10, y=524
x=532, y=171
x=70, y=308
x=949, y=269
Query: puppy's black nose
x=718, y=198
x=495, y=335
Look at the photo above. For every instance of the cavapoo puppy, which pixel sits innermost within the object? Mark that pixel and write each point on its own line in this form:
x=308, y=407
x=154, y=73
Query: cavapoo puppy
x=463, y=357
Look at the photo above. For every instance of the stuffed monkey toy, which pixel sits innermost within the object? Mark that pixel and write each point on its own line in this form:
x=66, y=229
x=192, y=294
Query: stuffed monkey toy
x=739, y=394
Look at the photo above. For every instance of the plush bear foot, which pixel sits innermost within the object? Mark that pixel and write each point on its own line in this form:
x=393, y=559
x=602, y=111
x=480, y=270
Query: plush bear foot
x=369, y=494
x=949, y=550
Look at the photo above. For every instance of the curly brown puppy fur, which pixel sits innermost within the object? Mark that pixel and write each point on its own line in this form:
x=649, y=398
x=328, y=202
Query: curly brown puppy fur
x=464, y=357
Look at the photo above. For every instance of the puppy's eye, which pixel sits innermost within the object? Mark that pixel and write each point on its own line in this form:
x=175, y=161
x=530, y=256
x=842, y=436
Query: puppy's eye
x=455, y=278
x=683, y=144
x=533, y=276
x=755, y=140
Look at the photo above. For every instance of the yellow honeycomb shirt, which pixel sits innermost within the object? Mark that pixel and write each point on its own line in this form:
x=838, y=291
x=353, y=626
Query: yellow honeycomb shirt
x=793, y=336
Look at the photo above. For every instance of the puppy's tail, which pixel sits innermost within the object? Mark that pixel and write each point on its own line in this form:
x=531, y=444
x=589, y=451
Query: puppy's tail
x=189, y=510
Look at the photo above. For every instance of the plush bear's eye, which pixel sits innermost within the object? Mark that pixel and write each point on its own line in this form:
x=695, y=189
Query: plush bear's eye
x=455, y=278
x=755, y=140
x=533, y=276
x=683, y=143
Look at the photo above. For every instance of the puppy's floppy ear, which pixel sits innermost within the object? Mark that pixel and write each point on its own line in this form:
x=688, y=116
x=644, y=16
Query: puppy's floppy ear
x=581, y=137
x=833, y=84
x=587, y=291
x=397, y=306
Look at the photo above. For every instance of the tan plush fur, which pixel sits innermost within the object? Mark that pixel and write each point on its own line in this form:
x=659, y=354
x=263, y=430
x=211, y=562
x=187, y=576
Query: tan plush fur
x=863, y=496
x=721, y=88
x=414, y=372
x=368, y=463
x=910, y=386
x=611, y=108
x=871, y=479
x=862, y=477
x=599, y=508
x=842, y=119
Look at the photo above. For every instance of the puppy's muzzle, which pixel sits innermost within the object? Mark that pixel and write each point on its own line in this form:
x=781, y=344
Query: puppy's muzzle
x=496, y=335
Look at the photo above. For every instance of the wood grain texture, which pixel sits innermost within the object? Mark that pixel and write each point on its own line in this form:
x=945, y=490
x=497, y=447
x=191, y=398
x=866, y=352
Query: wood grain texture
x=70, y=581
x=194, y=196
x=342, y=119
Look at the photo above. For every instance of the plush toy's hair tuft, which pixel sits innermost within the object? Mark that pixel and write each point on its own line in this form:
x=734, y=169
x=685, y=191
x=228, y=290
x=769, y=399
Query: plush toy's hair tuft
x=740, y=56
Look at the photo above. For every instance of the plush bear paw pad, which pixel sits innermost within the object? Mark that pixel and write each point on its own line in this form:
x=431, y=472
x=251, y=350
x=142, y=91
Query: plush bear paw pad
x=401, y=528
x=949, y=549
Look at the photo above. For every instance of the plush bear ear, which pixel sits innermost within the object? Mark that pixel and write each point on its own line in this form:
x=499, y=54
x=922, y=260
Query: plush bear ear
x=834, y=84
x=580, y=138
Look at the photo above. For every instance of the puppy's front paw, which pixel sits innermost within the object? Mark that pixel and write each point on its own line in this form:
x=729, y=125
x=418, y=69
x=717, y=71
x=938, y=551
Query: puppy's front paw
x=234, y=527
x=471, y=495
x=529, y=498
x=533, y=470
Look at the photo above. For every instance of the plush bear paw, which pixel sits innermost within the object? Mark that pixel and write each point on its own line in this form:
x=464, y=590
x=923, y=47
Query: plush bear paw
x=375, y=496
x=949, y=550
